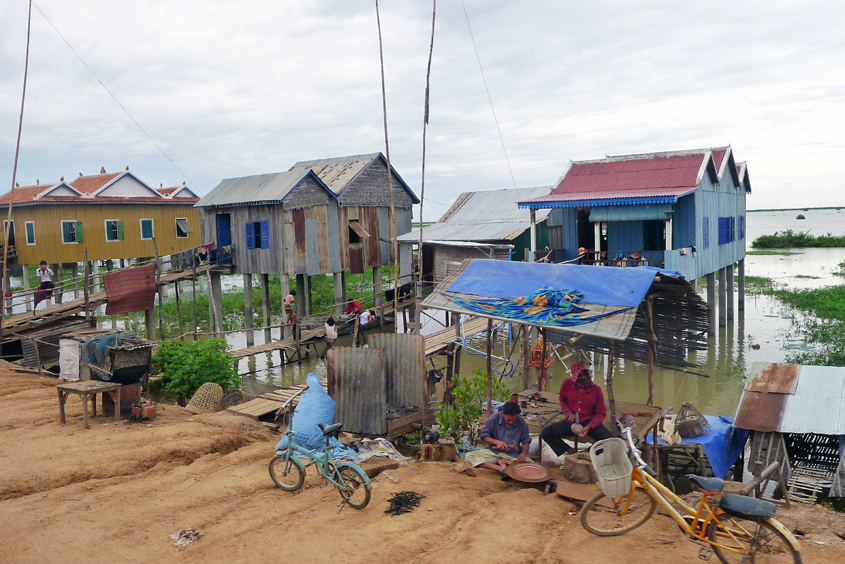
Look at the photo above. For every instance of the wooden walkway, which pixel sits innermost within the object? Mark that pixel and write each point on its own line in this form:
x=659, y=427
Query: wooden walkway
x=288, y=344
x=269, y=402
x=24, y=321
x=438, y=342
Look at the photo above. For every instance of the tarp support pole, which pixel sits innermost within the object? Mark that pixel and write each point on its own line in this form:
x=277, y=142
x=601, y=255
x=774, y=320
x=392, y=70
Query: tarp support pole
x=489, y=368
x=541, y=374
x=526, y=354
x=610, y=399
x=652, y=348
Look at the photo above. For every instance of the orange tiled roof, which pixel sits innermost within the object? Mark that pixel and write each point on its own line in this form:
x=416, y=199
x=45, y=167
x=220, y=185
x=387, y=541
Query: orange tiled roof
x=90, y=184
x=24, y=193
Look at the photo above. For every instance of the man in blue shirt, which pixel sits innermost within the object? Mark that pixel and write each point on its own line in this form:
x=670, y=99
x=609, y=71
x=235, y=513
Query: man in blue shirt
x=507, y=440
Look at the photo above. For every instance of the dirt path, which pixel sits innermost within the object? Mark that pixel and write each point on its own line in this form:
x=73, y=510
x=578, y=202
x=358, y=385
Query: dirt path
x=115, y=492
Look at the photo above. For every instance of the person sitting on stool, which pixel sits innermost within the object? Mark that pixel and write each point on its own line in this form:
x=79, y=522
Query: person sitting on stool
x=507, y=439
x=583, y=400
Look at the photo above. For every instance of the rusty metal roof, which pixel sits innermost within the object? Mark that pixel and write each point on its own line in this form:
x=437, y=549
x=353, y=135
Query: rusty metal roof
x=339, y=172
x=495, y=206
x=817, y=404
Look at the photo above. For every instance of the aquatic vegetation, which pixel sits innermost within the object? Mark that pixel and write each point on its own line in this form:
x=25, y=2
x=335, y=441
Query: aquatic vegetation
x=790, y=239
x=841, y=271
x=764, y=253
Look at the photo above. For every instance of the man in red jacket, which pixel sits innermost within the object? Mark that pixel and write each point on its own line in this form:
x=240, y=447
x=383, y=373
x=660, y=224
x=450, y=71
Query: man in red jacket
x=582, y=403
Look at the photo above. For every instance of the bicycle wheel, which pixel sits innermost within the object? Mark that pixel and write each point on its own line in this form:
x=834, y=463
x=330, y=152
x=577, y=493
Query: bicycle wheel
x=608, y=516
x=355, y=493
x=285, y=474
x=750, y=541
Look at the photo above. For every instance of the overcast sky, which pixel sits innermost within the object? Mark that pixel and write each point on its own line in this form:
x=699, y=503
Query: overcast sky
x=234, y=88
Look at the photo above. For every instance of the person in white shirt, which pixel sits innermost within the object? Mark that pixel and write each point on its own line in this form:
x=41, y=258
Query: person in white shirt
x=364, y=318
x=45, y=275
x=331, y=330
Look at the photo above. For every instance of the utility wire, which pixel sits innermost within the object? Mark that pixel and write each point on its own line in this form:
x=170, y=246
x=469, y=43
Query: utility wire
x=502, y=139
x=113, y=96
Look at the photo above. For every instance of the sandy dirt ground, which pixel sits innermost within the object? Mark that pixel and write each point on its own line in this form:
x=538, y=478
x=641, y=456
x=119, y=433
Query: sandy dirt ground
x=115, y=492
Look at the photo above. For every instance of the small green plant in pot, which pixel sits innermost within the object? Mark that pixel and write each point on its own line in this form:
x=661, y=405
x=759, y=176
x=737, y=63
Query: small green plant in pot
x=469, y=393
x=187, y=366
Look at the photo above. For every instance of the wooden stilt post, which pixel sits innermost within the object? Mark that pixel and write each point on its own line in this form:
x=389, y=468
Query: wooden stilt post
x=451, y=352
x=285, y=290
x=60, y=285
x=489, y=367
x=250, y=334
x=27, y=299
x=158, y=289
x=378, y=294
x=179, y=313
x=194, y=289
x=610, y=399
x=212, y=322
x=217, y=286
x=265, y=307
x=85, y=285
x=75, y=281
x=652, y=348
x=526, y=354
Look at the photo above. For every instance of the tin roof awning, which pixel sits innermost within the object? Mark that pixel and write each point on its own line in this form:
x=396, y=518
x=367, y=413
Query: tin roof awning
x=356, y=227
x=642, y=212
x=183, y=225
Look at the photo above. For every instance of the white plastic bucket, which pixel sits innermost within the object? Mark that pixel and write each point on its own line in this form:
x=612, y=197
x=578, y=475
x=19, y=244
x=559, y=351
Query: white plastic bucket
x=614, y=468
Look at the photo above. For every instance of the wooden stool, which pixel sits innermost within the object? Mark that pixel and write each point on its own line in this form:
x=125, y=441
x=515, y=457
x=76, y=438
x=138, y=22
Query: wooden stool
x=86, y=390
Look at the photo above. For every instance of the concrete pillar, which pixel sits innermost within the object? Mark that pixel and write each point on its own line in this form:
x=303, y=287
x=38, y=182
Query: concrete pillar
x=729, y=274
x=668, y=232
x=250, y=334
x=265, y=307
x=27, y=298
x=60, y=278
x=711, y=301
x=285, y=287
x=597, y=237
x=150, y=324
x=216, y=296
x=533, y=249
x=723, y=298
x=339, y=291
x=740, y=306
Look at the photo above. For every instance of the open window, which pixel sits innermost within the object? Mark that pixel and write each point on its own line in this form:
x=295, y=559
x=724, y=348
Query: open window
x=114, y=230
x=11, y=231
x=182, y=228
x=356, y=232
x=72, y=232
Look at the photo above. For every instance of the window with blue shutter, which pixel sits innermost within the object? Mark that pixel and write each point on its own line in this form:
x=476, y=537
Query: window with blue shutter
x=733, y=229
x=724, y=230
x=250, y=235
x=742, y=227
x=705, y=232
x=265, y=235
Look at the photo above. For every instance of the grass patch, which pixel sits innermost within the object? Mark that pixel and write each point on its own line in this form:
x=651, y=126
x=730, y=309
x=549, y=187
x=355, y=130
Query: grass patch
x=790, y=239
x=767, y=253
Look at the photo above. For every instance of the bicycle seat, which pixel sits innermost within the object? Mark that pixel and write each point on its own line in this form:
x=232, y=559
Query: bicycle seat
x=710, y=485
x=329, y=430
x=747, y=507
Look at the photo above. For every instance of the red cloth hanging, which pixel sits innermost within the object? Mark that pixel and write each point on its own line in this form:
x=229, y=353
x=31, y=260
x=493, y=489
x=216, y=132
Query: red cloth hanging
x=130, y=289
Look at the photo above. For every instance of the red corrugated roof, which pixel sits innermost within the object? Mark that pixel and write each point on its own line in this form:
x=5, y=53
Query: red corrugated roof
x=24, y=193
x=628, y=178
x=90, y=184
x=167, y=191
x=718, y=155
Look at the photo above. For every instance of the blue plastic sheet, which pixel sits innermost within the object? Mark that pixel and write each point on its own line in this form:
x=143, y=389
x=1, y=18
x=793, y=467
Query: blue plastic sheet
x=722, y=445
x=599, y=285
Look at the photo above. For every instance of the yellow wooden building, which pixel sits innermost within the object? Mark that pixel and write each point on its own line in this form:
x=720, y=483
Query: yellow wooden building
x=114, y=216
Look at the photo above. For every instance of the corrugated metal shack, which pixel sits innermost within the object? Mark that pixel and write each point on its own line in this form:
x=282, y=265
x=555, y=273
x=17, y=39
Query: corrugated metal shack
x=479, y=225
x=380, y=390
x=797, y=414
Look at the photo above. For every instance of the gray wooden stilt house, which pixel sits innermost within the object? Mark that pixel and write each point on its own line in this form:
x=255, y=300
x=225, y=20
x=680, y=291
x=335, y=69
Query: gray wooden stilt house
x=281, y=223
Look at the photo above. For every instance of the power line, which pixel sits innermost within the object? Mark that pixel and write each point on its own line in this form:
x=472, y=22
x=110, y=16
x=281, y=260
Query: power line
x=502, y=139
x=113, y=96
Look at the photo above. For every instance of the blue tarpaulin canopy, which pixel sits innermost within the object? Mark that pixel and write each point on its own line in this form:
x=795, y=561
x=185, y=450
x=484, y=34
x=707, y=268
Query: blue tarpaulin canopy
x=509, y=280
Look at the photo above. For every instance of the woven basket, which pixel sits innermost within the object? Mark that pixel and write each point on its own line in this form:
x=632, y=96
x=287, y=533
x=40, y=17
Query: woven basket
x=207, y=399
x=690, y=423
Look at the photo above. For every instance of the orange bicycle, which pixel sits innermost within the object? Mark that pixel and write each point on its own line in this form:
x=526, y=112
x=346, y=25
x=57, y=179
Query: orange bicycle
x=738, y=529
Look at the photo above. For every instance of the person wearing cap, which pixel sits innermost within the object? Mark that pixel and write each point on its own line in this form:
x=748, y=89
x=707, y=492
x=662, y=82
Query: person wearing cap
x=582, y=402
x=507, y=439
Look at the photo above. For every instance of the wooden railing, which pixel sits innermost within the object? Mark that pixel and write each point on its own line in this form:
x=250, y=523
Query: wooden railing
x=623, y=258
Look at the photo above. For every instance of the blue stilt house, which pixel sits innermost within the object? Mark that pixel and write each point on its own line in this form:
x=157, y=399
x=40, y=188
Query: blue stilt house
x=680, y=210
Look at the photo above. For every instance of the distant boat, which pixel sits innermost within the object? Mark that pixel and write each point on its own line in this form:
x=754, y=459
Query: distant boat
x=800, y=217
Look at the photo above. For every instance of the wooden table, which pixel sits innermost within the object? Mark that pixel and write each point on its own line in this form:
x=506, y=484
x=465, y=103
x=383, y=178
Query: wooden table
x=88, y=390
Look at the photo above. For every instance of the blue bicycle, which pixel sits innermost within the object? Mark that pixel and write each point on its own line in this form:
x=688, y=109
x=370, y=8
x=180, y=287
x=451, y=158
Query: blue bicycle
x=288, y=471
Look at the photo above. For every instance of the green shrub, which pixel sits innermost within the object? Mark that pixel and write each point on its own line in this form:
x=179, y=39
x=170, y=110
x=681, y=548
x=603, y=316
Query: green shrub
x=189, y=365
x=468, y=393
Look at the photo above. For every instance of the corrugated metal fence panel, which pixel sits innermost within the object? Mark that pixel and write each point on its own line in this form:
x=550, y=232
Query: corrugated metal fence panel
x=405, y=366
x=48, y=346
x=818, y=405
x=357, y=383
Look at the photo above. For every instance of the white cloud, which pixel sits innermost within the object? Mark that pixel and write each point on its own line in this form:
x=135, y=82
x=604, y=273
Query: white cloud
x=232, y=88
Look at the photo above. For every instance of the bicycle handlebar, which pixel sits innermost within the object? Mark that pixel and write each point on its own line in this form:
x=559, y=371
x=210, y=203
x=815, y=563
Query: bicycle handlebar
x=625, y=424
